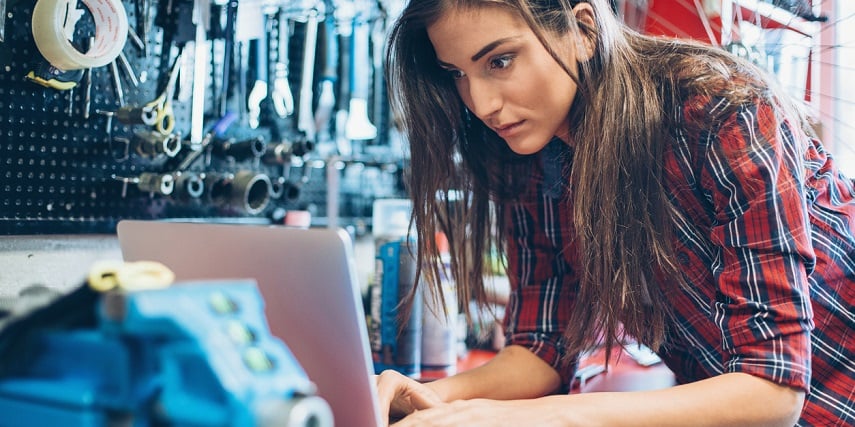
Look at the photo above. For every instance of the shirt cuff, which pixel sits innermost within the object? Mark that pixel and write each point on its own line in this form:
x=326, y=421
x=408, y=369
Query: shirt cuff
x=784, y=360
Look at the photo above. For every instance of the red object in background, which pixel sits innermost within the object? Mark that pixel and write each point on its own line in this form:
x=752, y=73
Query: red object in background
x=690, y=19
x=681, y=19
x=701, y=20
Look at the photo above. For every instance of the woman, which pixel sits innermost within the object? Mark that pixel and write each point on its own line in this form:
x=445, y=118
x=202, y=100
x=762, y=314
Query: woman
x=640, y=188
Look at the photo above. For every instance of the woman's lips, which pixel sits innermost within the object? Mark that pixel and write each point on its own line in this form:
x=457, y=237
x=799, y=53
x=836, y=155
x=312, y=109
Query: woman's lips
x=509, y=129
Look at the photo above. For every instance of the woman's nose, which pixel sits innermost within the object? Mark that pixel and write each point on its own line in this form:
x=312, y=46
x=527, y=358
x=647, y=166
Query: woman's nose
x=484, y=99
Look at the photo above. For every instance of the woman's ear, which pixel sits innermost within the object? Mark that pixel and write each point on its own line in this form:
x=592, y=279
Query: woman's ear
x=584, y=14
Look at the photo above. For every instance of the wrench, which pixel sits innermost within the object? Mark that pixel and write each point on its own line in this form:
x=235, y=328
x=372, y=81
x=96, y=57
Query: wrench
x=358, y=126
x=305, y=115
x=258, y=93
x=282, y=97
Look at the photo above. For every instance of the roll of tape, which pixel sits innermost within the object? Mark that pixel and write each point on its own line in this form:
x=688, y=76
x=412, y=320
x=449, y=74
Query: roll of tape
x=53, y=27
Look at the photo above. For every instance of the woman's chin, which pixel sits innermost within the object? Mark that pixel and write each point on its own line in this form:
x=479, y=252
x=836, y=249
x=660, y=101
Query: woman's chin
x=525, y=148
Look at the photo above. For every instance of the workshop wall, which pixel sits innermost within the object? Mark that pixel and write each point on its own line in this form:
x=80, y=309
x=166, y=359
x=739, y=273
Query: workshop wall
x=261, y=96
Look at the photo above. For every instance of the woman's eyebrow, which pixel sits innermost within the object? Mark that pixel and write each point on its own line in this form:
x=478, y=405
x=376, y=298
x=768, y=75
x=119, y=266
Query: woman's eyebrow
x=489, y=47
x=480, y=54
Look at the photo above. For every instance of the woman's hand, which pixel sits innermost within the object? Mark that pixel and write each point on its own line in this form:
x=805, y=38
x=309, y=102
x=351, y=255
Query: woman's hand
x=484, y=412
x=514, y=373
x=400, y=395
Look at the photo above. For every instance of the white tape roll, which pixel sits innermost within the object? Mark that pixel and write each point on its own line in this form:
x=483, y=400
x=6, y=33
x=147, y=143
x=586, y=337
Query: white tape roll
x=53, y=27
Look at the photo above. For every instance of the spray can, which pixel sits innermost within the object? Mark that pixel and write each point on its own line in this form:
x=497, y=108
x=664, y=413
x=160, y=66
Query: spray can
x=439, y=326
x=395, y=341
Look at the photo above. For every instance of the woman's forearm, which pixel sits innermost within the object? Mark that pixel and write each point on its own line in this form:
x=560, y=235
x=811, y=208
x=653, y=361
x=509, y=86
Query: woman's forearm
x=726, y=400
x=514, y=373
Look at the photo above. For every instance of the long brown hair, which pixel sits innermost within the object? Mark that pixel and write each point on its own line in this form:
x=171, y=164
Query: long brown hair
x=622, y=214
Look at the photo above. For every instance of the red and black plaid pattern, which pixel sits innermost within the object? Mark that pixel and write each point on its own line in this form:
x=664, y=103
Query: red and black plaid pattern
x=766, y=247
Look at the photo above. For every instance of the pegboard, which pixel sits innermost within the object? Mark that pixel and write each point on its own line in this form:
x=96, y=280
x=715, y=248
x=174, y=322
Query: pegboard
x=57, y=165
x=69, y=167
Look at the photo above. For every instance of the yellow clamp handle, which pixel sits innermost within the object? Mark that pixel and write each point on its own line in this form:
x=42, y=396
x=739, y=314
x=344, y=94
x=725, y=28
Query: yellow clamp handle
x=107, y=275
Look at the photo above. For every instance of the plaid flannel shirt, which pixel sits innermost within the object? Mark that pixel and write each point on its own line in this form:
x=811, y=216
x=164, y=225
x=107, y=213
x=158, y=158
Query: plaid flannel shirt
x=768, y=254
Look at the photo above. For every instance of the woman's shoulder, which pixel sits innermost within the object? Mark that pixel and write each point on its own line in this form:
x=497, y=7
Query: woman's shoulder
x=709, y=110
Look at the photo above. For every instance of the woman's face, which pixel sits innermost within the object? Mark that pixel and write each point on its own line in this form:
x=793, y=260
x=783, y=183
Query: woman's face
x=505, y=76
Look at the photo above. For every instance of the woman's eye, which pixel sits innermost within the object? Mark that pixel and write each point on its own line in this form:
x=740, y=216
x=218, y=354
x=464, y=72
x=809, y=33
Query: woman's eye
x=456, y=74
x=501, y=62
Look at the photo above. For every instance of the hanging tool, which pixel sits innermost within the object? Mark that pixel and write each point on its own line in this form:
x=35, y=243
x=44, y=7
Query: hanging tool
x=46, y=73
x=146, y=29
x=218, y=130
x=87, y=93
x=2, y=20
x=137, y=41
x=249, y=30
x=143, y=14
x=132, y=115
x=305, y=115
x=149, y=143
x=326, y=99
x=162, y=105
x=244, y=192
x=358, y=126
x=145, y=142
x=129, y=70
x=277, y=187
x=70, y=109
x=285, y=189
x=228, y=56
x=250, y=148
x=282, y=97
x=216, y=31
x=49, y=76
x=381, y=98
x=117, y=83
x=188, y=186
x=201, y=18
x=149, y=182
x=156, y=183
x=87, y=86
x=345, y=16
x=258, y=93
x=283, y=152
x=242, y=79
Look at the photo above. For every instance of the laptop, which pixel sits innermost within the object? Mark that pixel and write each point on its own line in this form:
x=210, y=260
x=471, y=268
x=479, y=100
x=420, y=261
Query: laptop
x=311, y=295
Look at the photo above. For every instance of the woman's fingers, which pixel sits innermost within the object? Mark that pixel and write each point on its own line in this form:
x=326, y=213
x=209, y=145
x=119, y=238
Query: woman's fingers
x=422, y=397
x=399, y=395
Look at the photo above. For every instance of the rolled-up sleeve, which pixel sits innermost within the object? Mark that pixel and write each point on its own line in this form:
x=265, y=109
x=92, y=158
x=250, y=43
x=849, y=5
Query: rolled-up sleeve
x=542, y=280
x=753, y=179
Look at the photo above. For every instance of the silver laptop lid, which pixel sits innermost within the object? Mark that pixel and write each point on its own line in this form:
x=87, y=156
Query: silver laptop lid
x=311, y=295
